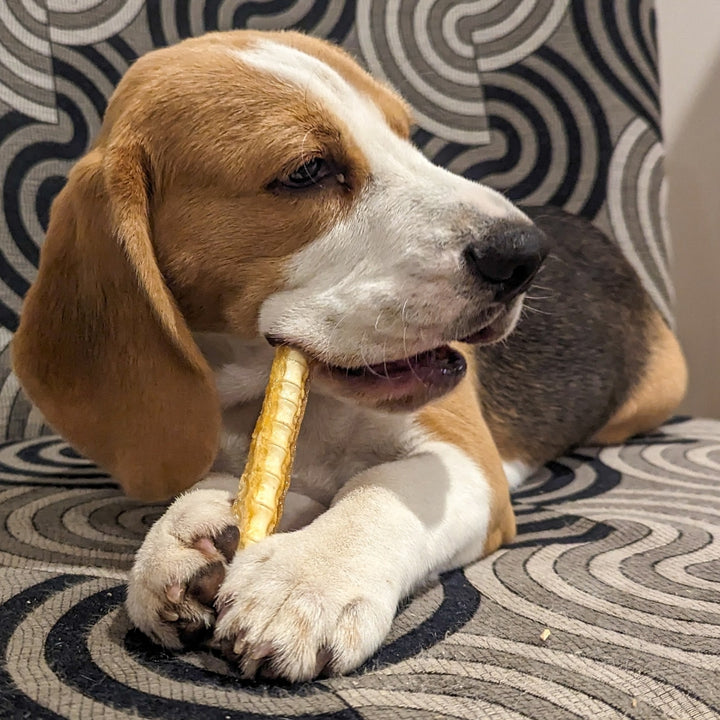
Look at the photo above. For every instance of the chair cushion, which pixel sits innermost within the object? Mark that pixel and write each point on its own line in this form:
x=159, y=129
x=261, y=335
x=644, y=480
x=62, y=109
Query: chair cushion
x=617, y=556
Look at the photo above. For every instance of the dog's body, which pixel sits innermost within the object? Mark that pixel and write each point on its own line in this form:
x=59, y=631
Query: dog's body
x=249, y=187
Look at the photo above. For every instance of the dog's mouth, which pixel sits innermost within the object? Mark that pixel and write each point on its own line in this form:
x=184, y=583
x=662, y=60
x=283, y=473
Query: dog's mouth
x=399, y=384
x=405, y=383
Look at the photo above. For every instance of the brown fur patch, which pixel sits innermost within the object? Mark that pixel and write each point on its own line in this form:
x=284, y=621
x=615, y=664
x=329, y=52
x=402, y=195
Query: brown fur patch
x=660, y=390
x=457, y=418
x=221, y=235
x=104, y=353
x=171, y=224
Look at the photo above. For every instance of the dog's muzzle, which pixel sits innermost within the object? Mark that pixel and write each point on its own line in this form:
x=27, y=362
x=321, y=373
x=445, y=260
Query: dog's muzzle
x=507, y=258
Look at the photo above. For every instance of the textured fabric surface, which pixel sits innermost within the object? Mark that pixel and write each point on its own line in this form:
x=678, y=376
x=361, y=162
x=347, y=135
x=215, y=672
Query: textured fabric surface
x=551, y=101
x=618, y=556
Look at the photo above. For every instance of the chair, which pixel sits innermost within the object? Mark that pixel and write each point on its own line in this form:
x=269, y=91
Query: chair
x=607, y=605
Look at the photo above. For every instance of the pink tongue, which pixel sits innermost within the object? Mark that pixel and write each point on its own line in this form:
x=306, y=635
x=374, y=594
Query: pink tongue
x=403, y=384
x=426, y=366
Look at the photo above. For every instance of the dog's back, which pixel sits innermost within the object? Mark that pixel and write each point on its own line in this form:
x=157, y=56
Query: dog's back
x=589, y=351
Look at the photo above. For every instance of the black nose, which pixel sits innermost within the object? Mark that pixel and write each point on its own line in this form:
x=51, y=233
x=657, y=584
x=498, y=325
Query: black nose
x=507, y=258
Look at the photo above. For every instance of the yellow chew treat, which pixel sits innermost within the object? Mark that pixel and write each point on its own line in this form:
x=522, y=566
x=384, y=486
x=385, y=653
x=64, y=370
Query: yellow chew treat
x=264, y=484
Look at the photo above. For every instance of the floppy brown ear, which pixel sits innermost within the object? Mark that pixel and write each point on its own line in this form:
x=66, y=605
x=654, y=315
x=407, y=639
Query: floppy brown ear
x=102, y=348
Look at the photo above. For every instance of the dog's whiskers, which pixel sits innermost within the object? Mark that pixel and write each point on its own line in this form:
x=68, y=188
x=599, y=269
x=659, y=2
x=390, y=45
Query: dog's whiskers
x=366, y=364
x=377, y=320
x=405, y=350
x=536, y=310
x=334, y=330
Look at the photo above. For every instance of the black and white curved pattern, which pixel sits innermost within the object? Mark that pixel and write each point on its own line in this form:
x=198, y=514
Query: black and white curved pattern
x=637, y=163
x=618, y=556
x=619, y=38
x=436, y=54
x=30, y=30
x=439, y=79
x=550, y=101
x=547, y=145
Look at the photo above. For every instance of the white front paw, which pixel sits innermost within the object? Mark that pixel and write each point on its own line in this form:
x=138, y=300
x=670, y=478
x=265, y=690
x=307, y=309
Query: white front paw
x=290, y=609
x=179, y=568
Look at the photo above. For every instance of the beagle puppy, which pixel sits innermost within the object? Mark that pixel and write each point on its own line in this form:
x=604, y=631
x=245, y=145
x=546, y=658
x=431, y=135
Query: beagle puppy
x=248, y=189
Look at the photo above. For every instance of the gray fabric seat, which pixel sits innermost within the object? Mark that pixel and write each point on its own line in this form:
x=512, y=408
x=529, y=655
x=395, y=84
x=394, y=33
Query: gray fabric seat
x=617, y=556
x=618, y=552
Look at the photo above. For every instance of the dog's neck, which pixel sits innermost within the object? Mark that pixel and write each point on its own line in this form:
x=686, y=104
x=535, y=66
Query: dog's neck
x=330, y=451
x=241, y=367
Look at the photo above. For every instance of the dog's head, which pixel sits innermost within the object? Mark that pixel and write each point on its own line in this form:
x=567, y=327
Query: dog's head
x=259, y=185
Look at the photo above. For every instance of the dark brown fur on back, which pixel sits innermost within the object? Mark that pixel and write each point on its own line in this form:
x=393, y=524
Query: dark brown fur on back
x=579, y=348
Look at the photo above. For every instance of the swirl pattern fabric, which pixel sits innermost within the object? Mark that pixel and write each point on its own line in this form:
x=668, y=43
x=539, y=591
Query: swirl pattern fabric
x=551, y=101
x=618, y=556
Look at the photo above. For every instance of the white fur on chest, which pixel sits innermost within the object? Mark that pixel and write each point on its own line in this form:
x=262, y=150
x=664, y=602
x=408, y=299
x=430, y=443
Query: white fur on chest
x=337, y=439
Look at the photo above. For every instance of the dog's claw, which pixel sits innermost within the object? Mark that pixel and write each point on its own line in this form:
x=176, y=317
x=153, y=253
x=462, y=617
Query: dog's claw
x=249, y=668
x=175, y=593
x=205, y=585
x=239, y=645
x=262, y=651
x=268, y=671
x=194, y=634
x=324, y=658
x=180, y=568
x=226, y=649
x=227, y=542
x=206, y=547
x=221, y=610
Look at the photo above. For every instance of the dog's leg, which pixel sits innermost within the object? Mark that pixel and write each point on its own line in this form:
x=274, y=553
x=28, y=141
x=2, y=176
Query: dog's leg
x=659, y=392
x=184, y=558
x=179, y=568
x=324, y=597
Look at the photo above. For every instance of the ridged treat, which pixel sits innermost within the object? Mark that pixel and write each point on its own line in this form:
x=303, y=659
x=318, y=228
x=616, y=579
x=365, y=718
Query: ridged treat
x=266, y=479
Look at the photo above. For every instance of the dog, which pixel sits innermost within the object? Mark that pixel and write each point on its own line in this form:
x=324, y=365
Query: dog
x=249, y=189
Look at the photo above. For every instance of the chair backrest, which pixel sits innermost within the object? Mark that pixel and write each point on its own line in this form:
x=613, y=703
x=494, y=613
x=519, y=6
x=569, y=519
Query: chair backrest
x=553, y=102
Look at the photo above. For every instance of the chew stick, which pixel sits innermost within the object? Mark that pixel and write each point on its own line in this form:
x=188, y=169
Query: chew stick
x=265, y=481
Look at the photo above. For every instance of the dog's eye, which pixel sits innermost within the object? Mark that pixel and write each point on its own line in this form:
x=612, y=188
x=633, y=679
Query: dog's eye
x=309, y=173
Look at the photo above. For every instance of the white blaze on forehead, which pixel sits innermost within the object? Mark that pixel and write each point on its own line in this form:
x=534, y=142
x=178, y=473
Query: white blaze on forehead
x=300, y=69
x=387, y=153
x=317, y=80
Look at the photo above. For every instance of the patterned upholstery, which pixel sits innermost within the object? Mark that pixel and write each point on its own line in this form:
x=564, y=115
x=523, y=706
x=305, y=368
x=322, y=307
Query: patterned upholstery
x=618, y=556
x=552, y=101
